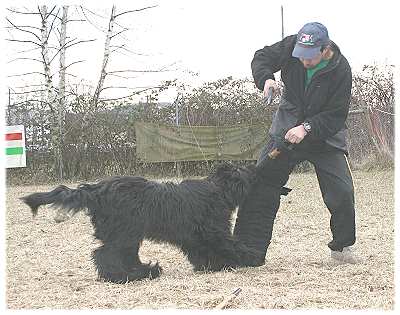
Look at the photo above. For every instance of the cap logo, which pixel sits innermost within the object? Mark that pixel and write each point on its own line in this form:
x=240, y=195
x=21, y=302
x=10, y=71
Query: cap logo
x=306, y=39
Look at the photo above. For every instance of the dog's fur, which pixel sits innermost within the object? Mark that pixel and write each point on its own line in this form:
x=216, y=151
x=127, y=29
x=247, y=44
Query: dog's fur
x=193, y=215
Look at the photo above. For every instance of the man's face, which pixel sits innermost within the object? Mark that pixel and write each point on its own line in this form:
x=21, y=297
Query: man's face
x=311, y=63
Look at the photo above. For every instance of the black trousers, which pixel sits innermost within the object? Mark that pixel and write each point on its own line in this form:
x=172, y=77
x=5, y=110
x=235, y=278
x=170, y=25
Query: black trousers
x=257, y=213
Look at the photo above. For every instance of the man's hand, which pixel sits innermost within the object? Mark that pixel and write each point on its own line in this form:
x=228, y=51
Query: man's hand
x=296, y=134
x=270, y=83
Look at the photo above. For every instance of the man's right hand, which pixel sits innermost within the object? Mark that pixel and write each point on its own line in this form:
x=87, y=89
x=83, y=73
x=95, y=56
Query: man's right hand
x=268, y=84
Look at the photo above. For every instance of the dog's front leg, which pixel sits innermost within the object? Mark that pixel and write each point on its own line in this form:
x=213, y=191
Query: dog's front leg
x=120, y=265
x=228, y=252
x=212, y=254
x=197, y=255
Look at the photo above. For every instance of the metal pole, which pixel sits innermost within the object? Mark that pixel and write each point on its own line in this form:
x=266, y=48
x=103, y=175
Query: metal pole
x=283, y=31
x=9, y=107
x=177, y=112
x=177, y=164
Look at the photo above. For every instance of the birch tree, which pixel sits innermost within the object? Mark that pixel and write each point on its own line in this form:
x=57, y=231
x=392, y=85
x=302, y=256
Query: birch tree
x=106, y=56
x=51, y=99
x=61, y=88
x=44, y=45
x=111, y=34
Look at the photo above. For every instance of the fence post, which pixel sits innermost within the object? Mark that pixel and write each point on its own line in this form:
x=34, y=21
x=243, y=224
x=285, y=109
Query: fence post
x=177, y=164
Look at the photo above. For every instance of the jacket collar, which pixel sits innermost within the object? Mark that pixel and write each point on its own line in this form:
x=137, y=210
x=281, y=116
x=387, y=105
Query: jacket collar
x=337, y=57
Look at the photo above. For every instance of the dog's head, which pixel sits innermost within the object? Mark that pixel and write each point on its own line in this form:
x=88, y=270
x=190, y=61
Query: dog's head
x=235, y=182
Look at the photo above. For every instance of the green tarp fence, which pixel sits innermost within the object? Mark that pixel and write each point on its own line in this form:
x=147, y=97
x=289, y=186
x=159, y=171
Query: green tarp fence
x=169, y=143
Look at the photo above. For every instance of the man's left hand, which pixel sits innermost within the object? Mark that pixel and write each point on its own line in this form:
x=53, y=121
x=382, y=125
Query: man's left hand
x=296, y=134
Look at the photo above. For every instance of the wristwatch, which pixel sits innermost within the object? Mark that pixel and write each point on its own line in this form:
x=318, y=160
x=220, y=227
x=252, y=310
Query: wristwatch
x=307, y=126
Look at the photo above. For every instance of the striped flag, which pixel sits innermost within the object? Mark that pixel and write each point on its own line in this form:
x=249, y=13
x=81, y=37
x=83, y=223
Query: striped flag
x=15, y=146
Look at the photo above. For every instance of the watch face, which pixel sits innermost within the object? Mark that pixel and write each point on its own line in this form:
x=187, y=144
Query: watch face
x=307, y=127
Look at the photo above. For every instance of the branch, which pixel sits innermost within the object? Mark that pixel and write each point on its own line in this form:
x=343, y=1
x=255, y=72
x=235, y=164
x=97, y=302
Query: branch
x=137, y=10
x=71, y=75
x=25, y=86
x=123, y=46
x=130, y=95
x=24, y=26
x=28, y=92
x=94, y=13
x=163, y=69
x=51, y=11
x=23, y=41
x=25, y=51
x=73, y=20
x=22, y=74
x=32, y=59
x=68, y=46
x=89, y=21
x=138, y=71
x=19, y=12
x=121, y=76
x=75, y=62
x=22, y=30
x=81, y=41
x=116, y=34
x=52, y=24
x=114, y=87
x=125, y=87
x=48, y=14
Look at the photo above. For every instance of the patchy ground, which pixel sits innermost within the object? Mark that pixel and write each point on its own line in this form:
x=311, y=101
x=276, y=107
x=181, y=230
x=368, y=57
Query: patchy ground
x=48, y=264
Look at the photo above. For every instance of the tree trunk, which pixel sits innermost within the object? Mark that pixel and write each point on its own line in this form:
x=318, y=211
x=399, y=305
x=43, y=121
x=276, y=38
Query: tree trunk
x=45, y=56
x=61, y=88
x=106, y=57
x=87, y=135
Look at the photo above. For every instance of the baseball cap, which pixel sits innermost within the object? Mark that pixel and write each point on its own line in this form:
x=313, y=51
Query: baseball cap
x=310, y=38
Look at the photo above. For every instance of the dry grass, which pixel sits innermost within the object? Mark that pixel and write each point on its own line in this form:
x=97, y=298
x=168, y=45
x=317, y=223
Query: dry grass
x=48, y=264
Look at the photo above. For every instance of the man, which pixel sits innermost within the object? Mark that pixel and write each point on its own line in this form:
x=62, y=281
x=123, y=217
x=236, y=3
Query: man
x=311, y=121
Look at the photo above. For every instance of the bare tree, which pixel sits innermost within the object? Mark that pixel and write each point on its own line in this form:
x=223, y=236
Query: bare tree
x=44, y=45
x=50, y=98
x=106, y=56
x=74, y=117
x=110, y=35
x=61, y=88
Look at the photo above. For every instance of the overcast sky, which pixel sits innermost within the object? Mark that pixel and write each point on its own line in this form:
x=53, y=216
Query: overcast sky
x=218, y=38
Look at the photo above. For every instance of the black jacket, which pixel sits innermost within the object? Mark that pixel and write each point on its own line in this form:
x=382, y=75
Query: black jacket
x=325, y=101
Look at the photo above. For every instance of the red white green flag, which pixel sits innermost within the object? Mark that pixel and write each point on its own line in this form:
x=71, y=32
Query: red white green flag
x=15, y=146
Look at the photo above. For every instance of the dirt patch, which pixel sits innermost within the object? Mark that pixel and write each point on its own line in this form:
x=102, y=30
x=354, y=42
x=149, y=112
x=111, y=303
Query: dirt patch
x=48, y=264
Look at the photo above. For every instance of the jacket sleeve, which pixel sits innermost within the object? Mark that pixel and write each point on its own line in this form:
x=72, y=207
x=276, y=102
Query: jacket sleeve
x=270, y=59
x=333, y=117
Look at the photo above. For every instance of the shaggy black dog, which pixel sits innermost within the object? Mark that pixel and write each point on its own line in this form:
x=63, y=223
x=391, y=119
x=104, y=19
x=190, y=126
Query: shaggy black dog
x=193, y=215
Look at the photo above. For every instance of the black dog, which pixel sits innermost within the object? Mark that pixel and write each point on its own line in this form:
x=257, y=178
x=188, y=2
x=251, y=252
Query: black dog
x=193, y=215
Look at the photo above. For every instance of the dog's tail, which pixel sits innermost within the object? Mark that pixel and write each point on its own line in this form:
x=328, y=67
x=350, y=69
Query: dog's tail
x=73, y=200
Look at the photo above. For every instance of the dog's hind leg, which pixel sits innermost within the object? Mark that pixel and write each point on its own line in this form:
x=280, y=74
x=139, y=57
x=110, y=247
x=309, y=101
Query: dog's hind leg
x=120, y=265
